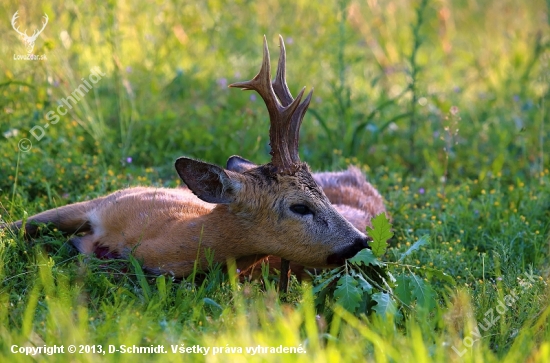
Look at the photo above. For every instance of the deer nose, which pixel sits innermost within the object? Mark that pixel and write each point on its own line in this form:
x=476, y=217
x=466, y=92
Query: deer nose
x=339, y=257
x=363, y=242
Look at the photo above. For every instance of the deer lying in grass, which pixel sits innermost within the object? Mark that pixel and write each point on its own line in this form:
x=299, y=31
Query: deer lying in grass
x=240, y=213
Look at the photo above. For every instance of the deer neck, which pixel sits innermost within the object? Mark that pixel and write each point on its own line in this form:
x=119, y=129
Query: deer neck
x=228, y=233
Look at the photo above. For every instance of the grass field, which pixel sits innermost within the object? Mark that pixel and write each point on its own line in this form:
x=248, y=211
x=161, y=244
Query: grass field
x=442, y=103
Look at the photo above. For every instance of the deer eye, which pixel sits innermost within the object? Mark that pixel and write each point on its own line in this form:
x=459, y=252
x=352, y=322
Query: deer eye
x=300, y=209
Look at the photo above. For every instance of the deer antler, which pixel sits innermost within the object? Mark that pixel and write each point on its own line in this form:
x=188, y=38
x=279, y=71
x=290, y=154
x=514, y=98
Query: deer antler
x=25, y=35
x=13, y=20
x=285, y=112
x=37, y=32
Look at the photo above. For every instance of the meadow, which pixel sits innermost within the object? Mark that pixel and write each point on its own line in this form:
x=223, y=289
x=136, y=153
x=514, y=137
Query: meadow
x=442, y=103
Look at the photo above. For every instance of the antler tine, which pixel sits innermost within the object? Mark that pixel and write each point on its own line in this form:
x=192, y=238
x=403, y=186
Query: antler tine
x=281, y=89
x=282, y=109
x=37, y=32
x=13, y=20
x=261, y=80
x=279, y=85
x=296, y=122
x=45, y=23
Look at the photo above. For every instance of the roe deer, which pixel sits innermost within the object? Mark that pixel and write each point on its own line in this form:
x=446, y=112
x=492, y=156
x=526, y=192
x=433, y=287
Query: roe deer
x=272, y=209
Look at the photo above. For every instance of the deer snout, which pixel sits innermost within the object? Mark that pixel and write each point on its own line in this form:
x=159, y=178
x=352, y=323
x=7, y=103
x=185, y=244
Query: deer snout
x=339, y=257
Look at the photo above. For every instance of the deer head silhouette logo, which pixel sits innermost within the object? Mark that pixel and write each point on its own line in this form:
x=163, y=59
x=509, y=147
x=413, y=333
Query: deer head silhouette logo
x=28, y=40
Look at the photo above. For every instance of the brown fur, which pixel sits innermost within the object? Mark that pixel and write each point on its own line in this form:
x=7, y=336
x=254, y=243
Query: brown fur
x=351, y=195
x=349, y=191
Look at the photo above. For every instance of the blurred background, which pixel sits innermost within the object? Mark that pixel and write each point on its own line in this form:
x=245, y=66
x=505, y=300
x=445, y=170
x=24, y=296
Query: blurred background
x=442, y=89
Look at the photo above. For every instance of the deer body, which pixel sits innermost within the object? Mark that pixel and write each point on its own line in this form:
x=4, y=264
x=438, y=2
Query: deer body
x=168, y=229
x=352, y=195
x=242, y=212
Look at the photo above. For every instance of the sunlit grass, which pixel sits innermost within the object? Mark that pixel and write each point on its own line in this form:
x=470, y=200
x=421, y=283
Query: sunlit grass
x=57, y=311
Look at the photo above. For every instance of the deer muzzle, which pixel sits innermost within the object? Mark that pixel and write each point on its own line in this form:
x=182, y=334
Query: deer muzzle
x=339, y=257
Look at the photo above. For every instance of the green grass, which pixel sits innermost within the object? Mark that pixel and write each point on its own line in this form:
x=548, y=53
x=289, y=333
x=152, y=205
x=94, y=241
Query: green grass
x=444, y=105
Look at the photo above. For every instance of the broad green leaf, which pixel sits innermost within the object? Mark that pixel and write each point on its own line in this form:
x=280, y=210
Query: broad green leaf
x=425, y=239
x=433, y=272
x=403, y=289
x=422, y=292
x=363, y=283
x=366, y=257
x=347, y=293
x=380, y=234
x=384, y=304
x=324, y=284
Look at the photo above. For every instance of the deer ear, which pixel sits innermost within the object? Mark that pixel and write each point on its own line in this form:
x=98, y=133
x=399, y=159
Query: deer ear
x=238, y=164
x=209, y=182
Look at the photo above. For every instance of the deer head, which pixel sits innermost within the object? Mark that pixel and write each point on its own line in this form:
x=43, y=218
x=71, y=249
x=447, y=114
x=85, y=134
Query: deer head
x=279, y=208
x=29, y=40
